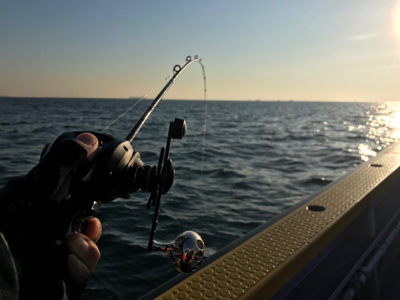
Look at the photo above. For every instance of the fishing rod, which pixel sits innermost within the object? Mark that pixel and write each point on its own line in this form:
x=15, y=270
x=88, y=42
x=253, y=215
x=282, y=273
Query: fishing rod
x=117, y=171
x=177, y=71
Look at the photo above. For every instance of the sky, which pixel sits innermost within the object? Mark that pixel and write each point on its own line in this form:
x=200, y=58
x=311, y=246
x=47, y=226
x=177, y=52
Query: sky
x=267, y=50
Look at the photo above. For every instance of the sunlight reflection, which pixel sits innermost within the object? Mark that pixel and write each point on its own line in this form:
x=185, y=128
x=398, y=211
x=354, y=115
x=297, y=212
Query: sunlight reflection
x=381, y=130
x=365, y=152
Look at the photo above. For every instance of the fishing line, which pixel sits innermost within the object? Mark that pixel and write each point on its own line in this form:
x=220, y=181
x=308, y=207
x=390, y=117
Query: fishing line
x=205, y=120
x=126, y=111
x=177, y=70
x=144, y=97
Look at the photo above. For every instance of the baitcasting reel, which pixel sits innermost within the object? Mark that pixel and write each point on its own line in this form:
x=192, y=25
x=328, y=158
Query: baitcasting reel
x=117, y=172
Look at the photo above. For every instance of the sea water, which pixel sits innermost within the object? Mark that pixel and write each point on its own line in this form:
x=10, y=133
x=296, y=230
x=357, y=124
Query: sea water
x=256, y=160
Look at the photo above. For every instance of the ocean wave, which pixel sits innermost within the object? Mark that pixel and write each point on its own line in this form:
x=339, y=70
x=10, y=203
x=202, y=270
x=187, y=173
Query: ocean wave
x=259, y=159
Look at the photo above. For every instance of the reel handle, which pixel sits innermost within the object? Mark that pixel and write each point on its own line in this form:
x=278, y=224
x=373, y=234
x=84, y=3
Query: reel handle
x=187, y=250
x=177, y=129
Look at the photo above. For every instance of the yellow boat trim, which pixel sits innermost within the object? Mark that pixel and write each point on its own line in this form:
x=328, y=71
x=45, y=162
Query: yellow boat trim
x=262, y=265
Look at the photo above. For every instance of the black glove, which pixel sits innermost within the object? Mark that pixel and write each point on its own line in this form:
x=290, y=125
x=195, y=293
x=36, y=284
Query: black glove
x=32, y=218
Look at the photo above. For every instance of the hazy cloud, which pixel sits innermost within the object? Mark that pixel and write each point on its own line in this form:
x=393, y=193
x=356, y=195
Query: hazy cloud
x=363, y=37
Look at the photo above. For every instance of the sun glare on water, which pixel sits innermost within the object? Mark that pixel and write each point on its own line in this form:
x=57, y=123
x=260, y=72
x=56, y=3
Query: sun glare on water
x=381, y=129
x=394, y=120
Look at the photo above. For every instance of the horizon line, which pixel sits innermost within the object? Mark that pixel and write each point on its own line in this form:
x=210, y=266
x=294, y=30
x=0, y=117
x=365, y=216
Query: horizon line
x=170, y=99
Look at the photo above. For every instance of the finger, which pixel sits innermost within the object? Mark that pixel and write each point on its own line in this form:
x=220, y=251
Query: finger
x=84, y=248
x=93, y=229
x=89, y=142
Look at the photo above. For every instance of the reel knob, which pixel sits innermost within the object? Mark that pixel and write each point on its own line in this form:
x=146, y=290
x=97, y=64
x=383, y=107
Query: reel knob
x=186, y=251
x=178, y=129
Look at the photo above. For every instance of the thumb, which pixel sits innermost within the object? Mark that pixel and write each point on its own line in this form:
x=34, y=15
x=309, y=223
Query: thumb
x=89, y=142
